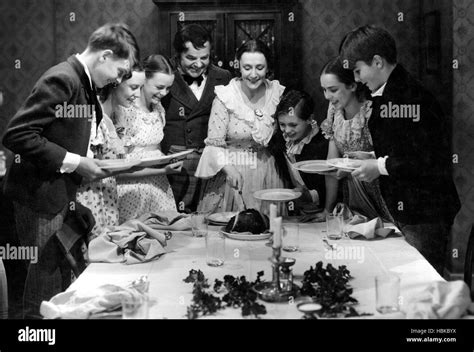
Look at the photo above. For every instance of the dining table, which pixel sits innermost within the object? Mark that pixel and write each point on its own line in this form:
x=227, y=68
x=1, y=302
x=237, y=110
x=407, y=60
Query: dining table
x=170, y=296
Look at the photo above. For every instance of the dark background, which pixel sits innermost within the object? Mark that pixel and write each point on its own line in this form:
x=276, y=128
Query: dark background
x=41, y=34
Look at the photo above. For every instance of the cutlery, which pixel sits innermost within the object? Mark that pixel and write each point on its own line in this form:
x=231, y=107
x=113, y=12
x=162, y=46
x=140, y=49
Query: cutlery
x=243, y=202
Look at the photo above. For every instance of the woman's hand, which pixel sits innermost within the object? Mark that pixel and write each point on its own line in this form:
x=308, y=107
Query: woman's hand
x=318, y=217
x=234, y=178
x=174, y=168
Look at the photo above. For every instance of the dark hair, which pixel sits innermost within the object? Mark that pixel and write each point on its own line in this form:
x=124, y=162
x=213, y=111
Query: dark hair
x=118, y=38
x=157, y=64
x=363, y=43
x=298, y=102
x=105, y=91
x=193, y=33
x=346, y=76
x=255, y=46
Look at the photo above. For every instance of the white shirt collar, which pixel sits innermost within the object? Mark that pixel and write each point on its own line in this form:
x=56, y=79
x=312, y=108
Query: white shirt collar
x=379, y=91
x=86, y=69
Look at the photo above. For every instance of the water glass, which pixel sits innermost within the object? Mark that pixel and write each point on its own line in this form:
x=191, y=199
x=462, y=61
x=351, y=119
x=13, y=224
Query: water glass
x=199, y=224
x=387, y=293
x=334, y=226
x=291, y=237
x=215, y=248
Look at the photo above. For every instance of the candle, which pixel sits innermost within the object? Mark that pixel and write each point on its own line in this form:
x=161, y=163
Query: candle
x=273, y=215
x=277, y=232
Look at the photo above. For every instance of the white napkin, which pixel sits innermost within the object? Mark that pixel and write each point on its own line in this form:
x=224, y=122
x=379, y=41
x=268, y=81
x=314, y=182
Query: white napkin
x=441, y=300
x=84, y=304
x=359, y=225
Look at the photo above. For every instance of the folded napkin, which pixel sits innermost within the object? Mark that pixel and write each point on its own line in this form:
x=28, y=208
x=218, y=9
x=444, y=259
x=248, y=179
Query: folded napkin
x=359, y=225
x=130, y=243
x=167, y=220
x=441, y=300
x=86, y=303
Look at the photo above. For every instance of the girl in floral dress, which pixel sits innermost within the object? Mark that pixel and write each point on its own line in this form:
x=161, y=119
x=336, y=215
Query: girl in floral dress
x=346, y=127
x=146, y=190
x=241, y=124
x=101, y=196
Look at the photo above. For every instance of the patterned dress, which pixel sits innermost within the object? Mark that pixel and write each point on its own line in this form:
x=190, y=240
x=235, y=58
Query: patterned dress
x=351, y=136
x=144, y=131
x=101, y=196
x=238, y=136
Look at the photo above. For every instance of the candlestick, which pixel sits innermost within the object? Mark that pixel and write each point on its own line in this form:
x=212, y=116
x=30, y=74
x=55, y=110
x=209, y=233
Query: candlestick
x=277, y=232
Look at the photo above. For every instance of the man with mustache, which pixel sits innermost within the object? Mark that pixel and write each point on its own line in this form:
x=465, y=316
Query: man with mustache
x=51, y=146
x=188, y=107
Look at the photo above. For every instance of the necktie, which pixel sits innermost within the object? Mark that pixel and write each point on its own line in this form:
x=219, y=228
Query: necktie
x=190, y=80
x=98, y=109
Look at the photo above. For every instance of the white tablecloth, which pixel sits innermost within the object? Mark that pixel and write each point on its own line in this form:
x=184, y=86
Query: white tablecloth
x=365, y=259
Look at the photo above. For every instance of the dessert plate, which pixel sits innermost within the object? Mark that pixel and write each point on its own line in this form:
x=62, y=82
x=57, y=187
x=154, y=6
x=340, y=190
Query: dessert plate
x=277, y=194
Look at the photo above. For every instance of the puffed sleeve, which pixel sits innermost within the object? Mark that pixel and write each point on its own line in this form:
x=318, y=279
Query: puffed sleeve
x=213, y=157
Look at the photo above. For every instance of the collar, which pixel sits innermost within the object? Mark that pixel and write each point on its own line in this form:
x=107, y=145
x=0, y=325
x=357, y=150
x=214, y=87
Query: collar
x=86, y=69
x=379, y=92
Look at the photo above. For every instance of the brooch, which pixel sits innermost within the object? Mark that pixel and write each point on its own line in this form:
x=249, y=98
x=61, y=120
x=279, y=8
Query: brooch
x=258, y=113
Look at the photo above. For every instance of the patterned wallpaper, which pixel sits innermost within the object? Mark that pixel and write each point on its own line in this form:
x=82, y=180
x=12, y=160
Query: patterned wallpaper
x=463, y=122
x=140, y=15
x=26, y=34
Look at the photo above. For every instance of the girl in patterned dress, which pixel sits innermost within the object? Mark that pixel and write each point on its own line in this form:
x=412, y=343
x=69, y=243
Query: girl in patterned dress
x=346, y=127
x=148, y=189
x=101, y=196
x=241, y=124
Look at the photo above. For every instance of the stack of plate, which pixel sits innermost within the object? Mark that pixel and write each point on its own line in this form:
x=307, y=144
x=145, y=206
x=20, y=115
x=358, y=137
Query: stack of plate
x=220, y=219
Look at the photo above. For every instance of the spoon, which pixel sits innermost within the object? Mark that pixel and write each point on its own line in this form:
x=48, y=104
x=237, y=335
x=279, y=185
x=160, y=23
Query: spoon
x=243, y=202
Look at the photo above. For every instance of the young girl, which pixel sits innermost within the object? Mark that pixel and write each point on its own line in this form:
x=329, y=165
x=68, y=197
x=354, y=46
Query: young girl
x=298, y=139
x=346, y=127
x=147, y=190
x=101, y=196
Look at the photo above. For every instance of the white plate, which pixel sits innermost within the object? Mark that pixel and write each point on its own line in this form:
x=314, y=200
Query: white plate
x=277, y=194
x=247, y=236
x=221, y=218
x=344, y=163
x=164, y=159
x=313, y=166
x=118, y=164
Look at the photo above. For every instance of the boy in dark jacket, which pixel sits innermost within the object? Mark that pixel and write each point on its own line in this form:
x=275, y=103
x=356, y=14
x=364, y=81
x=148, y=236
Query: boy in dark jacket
x=411, y=142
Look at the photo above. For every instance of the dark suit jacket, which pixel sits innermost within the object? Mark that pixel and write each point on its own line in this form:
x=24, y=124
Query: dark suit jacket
x=41, y=139
x=419, y=188
x=316, y=149
x=186, y=117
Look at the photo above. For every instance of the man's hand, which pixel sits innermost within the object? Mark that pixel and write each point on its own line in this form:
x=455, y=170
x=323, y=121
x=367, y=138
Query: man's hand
x=368, y=171
x=234, y=178
x=174, y=168
x=90, y=169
